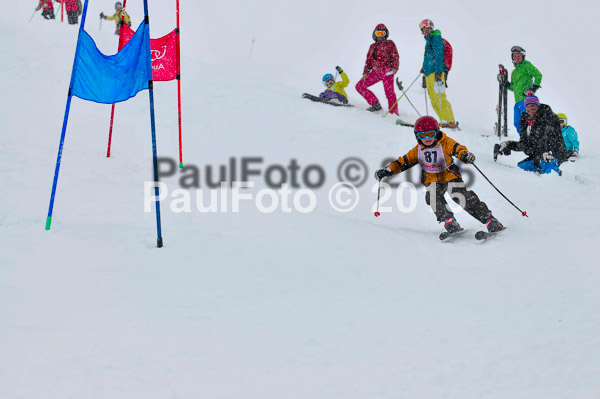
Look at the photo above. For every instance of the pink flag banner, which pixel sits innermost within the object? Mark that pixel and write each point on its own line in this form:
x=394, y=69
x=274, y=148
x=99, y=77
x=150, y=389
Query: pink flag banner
x=164, y=54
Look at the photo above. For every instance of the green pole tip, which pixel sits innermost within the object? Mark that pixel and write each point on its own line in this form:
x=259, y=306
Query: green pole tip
x=48, y=222
x=181, y=164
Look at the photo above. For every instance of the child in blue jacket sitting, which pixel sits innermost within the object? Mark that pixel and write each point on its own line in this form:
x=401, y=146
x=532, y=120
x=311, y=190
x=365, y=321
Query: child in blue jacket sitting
x=570, y=136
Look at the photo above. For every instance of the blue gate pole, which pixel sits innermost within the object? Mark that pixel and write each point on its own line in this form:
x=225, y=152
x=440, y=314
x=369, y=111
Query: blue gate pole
x=159, y=240
x=65, y=121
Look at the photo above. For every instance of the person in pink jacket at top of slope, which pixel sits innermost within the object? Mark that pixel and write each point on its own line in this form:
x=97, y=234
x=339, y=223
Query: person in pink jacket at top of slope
x=382, y=63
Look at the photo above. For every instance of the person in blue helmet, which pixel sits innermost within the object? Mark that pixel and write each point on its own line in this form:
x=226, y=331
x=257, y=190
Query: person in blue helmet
x=335, y=90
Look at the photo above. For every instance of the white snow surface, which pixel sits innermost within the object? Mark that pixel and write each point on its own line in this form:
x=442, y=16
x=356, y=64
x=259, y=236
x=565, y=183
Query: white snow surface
x=293, y=305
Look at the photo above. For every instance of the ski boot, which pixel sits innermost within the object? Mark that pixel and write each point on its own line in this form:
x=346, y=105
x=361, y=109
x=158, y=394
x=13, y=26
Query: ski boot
x=451, y=225
x=493, y=225
x=375, y=107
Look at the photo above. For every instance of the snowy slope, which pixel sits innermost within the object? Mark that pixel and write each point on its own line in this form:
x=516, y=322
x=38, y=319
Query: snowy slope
x=289, y=305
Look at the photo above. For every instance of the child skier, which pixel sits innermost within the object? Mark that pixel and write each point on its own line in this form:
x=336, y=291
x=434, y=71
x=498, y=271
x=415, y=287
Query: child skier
x=335, y=90
x=48, y=12
x=120, y=12
x=570, y=136
x=434, y=153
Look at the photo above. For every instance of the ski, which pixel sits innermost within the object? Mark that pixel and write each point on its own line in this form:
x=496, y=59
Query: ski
x=320, y=100
x=400, y=122
x=501, y=111
x=446, y=235
x=484, y=235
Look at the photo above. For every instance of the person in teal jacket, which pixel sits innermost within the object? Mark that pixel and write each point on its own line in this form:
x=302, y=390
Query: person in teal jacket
x=524, y=78
x=570, y=136
x=435, y=72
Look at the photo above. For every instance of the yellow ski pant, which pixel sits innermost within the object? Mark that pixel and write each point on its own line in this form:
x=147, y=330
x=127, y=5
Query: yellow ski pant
x=439, y=102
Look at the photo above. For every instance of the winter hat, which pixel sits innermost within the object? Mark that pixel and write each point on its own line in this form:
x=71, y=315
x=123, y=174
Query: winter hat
x=381, y=27
x=532, y=100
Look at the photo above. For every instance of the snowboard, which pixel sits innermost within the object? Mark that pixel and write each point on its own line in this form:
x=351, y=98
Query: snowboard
x=320, y=100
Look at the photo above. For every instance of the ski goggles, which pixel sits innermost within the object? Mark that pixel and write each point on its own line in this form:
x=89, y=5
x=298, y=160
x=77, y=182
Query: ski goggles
x=562, y=122
x=329, y=82
x=380, y=33
x=517, y=49
x=429, y=134
x=426, y=24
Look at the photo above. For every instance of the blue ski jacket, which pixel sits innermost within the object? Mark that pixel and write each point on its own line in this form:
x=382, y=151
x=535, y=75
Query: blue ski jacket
x=433, y=61
x=570, y=135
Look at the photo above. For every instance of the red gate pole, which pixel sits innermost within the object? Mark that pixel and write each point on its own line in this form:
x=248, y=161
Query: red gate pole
x=112, y=110
x=179, y=88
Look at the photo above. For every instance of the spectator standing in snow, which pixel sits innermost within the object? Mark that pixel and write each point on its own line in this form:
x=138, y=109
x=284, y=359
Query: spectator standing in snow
x=541, y=139
x=570, y=136
x=335, y=90
x=119, y=14
x=524, y=78
x=381, y=65
x=435, y=72
x=73, y=8
x=48, y=12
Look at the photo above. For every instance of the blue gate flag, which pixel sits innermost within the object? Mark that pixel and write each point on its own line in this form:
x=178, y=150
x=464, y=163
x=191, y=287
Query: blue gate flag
x=110, y=79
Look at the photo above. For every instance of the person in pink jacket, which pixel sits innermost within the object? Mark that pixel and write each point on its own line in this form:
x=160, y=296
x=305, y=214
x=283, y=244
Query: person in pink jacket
x=73, y=9
x=381, y=65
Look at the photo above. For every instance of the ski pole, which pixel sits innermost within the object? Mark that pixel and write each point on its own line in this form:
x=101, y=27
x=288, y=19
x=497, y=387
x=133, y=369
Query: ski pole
x=393, y=105
x=378, y=192
x=100, y=24
x=408, y=99
x=33, y=15
x=426, y=106
x=479, y=170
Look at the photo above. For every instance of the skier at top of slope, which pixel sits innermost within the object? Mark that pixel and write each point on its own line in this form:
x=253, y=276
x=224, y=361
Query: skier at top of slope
x=524, y=78
x=335, y=90
x=48, y=12
x=434, y=71
x=434, y=152
x=381, y=65
x=119, y=14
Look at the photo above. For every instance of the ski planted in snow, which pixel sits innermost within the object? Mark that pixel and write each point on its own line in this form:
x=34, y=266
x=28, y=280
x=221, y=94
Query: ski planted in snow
x=501, y=110
x=320, y=100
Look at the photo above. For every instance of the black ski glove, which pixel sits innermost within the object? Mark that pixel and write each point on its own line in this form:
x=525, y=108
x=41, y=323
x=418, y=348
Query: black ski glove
x=424, y=82
x=531, y=90
x=468, y=157
x=381, y=173
x=337, y=68
x=102, y=15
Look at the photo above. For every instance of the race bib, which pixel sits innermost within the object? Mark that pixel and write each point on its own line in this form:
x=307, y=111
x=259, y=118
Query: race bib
x=432, y=160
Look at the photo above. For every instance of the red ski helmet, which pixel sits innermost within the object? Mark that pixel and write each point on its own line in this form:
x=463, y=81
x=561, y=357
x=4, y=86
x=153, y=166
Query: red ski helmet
x=426, y=124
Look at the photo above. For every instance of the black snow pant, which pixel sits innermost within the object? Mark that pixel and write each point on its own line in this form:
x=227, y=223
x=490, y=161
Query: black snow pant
x=73, y=16
x=48, y=14
x=467, y=199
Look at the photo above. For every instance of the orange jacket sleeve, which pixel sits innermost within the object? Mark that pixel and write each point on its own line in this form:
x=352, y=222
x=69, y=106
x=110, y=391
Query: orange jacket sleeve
x=406, y=161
